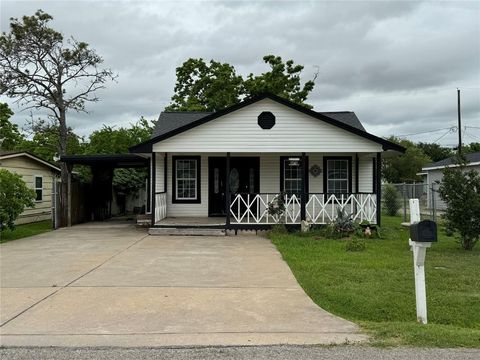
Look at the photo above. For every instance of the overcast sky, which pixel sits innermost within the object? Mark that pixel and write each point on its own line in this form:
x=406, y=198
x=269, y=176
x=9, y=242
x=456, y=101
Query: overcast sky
x=396, y=64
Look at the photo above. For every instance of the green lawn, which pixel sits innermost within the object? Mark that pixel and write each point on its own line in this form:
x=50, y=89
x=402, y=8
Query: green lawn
x=375, y=288
x=25, y=230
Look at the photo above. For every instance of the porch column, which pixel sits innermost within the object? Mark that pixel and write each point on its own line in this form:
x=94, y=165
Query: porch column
x=303, y=195
x=227, y=189
x=378, y=180
x=154, y=187
x=357, y=181
x=165, y=178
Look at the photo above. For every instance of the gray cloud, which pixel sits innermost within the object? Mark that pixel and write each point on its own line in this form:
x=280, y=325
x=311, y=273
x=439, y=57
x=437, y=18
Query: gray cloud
x=396, y=64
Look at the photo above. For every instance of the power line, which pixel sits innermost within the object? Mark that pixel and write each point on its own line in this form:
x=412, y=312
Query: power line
x=448, y=132
x=472, y=136
x=426, y=132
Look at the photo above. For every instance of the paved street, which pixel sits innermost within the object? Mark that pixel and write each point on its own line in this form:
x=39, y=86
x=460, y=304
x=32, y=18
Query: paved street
x=239, y=353
x=110, y=284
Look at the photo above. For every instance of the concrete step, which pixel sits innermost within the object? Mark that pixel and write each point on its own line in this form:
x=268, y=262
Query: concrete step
x=200, y=231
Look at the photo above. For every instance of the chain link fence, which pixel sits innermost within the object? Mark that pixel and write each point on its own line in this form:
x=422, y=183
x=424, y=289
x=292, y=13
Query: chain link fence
x=431, y=206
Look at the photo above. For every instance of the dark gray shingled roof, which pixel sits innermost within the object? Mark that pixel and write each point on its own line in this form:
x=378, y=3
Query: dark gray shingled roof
x=171, y=120
x=471, y=158
x=346, y=117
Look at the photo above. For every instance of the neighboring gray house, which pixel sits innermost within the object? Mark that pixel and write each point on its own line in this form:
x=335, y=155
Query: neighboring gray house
x=433, y=174
x=226, y=168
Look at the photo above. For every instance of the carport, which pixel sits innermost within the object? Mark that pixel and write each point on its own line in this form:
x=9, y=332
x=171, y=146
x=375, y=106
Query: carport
x=102, y=166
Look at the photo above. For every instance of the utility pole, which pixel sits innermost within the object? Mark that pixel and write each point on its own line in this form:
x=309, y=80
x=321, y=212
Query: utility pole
x=459, y=123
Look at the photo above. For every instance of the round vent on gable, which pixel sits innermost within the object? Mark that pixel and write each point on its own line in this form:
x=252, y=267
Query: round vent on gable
x=266, y=120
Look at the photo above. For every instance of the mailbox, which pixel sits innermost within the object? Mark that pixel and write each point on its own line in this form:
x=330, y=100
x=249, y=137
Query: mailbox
x=424, y=231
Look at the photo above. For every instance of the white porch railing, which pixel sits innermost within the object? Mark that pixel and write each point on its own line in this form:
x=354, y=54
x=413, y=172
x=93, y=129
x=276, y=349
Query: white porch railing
x=160, y=206
x=253, y=209
x=319, y=209
x=323, y=208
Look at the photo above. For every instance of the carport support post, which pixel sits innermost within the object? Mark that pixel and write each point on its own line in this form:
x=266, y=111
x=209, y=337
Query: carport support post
x=227, y=190
x=69, y=195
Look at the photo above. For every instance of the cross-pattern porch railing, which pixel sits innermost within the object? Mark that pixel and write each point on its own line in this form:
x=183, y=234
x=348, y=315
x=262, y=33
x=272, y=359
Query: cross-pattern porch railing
x=319, y=208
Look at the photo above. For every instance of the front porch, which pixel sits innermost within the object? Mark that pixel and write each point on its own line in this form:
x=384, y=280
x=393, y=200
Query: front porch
x=239, y=191
x=252, y=210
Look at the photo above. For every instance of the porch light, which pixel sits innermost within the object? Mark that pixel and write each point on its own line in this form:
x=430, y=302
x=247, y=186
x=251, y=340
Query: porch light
x=293, y=161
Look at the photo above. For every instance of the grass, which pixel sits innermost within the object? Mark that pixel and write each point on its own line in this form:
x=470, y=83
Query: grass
x=25, y=230
x=375, y=287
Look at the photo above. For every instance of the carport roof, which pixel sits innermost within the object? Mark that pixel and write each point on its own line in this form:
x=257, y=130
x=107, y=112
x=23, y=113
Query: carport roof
x=107, y=160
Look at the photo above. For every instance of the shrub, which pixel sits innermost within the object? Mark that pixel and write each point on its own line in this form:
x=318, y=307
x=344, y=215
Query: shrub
x=14, y=197
x=276, y=207
x=342, y=226
x=460, y=189
x=391, y=200
x=355, y=245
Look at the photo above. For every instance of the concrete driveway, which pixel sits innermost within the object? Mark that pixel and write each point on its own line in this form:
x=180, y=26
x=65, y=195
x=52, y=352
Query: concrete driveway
x=112, y=285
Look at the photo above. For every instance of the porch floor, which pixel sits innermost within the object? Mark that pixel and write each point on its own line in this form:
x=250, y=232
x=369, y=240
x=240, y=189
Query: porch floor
x=192, y=221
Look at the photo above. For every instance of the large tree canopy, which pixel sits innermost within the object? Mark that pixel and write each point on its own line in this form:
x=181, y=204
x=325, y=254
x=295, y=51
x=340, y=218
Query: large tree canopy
x=212, y=86
x=283, y=80
x=205, y=87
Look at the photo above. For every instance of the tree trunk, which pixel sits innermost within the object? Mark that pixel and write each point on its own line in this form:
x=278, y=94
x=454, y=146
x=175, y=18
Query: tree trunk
x=63, y=141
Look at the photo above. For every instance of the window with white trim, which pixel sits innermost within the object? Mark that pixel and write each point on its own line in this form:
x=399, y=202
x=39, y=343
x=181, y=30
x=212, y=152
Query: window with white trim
x=38, y=183
x=186, y=179
x=292, y=178
x=338, y=176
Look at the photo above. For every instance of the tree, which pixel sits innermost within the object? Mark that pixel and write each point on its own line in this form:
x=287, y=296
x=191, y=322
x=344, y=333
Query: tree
x=111, y=140
x=471, y=148
x=9, y=134
x=212, y=86
x=14, y=197
x=205, y=87
x=45, y=141
x=42, y=70
x=391, y=199
x=435, y=152
x=460, y=189
x=283, y=80
x=404, y=168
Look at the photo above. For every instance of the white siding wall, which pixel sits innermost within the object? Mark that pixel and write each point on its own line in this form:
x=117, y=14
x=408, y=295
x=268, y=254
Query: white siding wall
x=365, y=174
x=293, y=132
x=269, y=178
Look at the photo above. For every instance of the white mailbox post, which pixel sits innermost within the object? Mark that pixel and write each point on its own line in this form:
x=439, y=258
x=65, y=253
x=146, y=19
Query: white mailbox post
x=419, y=249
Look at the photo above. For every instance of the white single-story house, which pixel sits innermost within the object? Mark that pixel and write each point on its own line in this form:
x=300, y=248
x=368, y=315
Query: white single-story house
x=433, y=175
x=40, y=176
x=226, y=168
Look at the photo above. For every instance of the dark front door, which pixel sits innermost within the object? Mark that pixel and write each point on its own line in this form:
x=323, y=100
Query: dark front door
x=244, y=178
